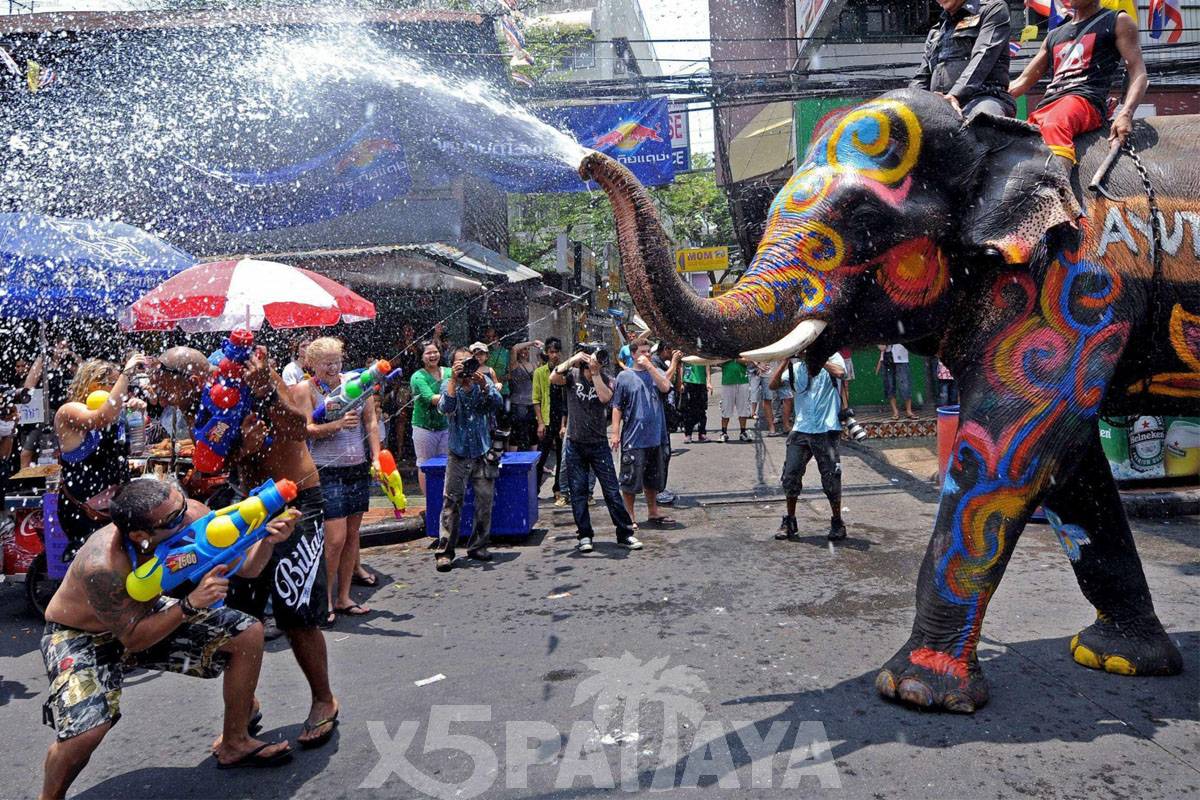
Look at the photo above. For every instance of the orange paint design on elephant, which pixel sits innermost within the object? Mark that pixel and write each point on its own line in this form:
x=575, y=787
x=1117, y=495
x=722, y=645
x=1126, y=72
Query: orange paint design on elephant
x=914, y=274
x=938, y=662
x=1185, y=341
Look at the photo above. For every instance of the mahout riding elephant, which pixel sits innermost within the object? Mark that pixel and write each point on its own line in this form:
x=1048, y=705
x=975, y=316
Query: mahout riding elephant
x=906, y=223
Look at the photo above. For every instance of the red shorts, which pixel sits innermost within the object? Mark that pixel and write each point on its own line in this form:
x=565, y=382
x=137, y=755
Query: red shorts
x=1063, y=120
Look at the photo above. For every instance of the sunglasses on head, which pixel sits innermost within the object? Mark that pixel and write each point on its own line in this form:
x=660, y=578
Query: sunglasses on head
x=178, y=372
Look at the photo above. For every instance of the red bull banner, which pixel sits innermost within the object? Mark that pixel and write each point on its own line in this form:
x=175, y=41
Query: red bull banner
x=637, y=134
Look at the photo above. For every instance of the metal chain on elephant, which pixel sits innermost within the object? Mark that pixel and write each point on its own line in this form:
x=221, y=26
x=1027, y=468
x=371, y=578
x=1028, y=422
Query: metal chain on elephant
x=1155, y=239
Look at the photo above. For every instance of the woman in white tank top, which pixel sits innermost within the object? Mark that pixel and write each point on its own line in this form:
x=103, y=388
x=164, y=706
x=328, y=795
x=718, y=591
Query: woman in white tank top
x=343, y=451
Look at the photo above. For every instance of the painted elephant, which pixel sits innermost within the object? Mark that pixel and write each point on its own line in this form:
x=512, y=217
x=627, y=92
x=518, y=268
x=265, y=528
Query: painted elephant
x=905, y=223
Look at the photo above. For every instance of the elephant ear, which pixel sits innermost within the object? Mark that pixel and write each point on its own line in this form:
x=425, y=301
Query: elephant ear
x=1018, y=194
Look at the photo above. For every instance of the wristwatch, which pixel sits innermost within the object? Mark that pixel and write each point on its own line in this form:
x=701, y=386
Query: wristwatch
x=189, y=610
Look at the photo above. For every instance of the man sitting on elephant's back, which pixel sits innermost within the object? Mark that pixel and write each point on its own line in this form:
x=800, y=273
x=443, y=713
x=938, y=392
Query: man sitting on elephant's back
x=1085, y=56
x=966, y=57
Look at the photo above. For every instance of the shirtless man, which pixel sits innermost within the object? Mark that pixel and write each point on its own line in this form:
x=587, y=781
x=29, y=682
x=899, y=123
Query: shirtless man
x=294, y=580
x=95, y=632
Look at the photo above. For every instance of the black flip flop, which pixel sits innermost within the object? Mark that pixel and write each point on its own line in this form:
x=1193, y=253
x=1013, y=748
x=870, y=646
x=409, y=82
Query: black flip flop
x=371, y=580
x=312, y=744
x=346, y=610
x=329, y=621
x=253, y=760
x=661, y=522
x=255, y=724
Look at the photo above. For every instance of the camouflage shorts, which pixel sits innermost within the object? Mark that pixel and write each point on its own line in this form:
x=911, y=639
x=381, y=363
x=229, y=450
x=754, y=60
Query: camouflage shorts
x=86, y=670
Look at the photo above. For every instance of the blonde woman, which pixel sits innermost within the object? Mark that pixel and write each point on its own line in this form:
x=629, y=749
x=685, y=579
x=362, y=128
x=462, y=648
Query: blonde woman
x=93, y=451
x=343, y=451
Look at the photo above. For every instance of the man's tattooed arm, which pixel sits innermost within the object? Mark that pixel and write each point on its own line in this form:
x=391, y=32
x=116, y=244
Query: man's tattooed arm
x=136, y=625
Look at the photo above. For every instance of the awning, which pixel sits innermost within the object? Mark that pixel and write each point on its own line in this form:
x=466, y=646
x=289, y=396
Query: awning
x=475, y=258
x=764, y=145
x=428, y=266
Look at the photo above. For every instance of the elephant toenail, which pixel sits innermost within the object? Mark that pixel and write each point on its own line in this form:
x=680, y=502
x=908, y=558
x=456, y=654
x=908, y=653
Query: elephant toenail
x=916, y=693
x=885, y=683
x=1085, y=656
x=959, y=703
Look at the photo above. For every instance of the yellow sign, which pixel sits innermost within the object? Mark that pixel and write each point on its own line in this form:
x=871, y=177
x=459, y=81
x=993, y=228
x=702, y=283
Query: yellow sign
x=702, y=259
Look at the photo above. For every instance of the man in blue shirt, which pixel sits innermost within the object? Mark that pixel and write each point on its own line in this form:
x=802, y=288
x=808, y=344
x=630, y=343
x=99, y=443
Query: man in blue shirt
x=815, y=434
x=468, y=400
x=639, y=429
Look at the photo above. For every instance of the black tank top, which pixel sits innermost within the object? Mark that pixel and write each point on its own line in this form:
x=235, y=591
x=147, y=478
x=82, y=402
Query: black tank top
x=100, y=462
x=1086, y=60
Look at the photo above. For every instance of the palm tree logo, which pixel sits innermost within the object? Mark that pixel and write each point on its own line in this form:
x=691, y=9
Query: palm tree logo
x=621, y=686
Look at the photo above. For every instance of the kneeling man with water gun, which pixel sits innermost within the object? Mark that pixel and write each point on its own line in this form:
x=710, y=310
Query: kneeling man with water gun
x=110, y=616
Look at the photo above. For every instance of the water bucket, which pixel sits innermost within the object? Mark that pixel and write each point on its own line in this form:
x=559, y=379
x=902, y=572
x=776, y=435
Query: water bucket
x=947, y=430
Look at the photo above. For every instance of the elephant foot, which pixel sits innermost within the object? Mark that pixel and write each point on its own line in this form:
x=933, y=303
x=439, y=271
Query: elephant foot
x=1126, y=650
x=925, y=678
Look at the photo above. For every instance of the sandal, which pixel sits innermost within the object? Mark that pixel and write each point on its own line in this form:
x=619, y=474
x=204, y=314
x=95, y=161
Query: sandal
x=330, y=621
x=661, y=522
x=350, y=610
x=255, y=724
x=253, y=759
x=370, y=580
x=318, y=741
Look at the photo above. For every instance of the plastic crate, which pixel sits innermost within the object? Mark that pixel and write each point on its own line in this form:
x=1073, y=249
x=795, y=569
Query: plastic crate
x=514, y=506
x=56, y=539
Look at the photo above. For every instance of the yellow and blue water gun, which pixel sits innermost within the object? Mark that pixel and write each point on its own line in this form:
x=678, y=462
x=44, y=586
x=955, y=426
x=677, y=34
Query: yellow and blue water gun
x=219, y=537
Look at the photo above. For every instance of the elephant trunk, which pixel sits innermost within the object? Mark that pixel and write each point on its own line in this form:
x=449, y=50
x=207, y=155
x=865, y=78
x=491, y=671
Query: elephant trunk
x=671, y=309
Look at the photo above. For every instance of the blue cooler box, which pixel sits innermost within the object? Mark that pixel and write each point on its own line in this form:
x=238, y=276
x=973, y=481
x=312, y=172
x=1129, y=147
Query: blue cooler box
x=514, y=507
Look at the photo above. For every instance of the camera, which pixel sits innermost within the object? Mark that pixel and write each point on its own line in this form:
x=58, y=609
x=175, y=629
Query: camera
x=470, y=367
x=499, y=444
x=853, y=427
x=596, y=349
x=139, y=386
x=13, y=396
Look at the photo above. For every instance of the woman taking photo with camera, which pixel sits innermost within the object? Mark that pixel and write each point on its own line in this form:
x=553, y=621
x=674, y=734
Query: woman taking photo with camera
x=343, y=451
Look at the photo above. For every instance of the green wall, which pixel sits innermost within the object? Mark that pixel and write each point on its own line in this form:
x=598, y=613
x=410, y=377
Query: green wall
x=867, y=388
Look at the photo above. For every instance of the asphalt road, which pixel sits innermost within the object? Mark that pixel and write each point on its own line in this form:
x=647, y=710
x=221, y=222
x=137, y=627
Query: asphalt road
x=753, y=661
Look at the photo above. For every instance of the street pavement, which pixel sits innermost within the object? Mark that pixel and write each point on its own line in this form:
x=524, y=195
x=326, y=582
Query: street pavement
x=749, y=662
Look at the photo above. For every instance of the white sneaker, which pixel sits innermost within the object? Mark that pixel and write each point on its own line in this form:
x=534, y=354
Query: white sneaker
x=632, y=543
x=585, y=545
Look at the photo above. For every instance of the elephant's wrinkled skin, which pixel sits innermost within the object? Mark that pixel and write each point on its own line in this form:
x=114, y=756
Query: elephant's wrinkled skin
x=905, y=224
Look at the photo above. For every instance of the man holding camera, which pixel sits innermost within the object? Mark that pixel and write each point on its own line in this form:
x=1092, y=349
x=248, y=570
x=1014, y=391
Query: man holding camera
x=588, y=392
x=815, y=433
x=468, y=400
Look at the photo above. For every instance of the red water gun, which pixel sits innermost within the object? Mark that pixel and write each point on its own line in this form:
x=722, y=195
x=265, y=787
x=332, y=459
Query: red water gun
x=225, y=401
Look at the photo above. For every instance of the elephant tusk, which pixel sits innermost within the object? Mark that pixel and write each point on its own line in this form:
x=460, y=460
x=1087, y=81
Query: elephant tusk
x=799, y=338
x=701, y=361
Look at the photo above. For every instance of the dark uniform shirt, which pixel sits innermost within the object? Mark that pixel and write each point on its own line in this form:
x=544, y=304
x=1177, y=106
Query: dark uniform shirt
x=966, y=53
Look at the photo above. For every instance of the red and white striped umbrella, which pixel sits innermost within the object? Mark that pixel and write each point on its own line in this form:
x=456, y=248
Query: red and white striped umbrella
x=222, y=295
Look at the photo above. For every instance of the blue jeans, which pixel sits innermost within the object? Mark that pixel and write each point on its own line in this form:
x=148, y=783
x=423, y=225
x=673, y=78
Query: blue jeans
x=579, y=458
